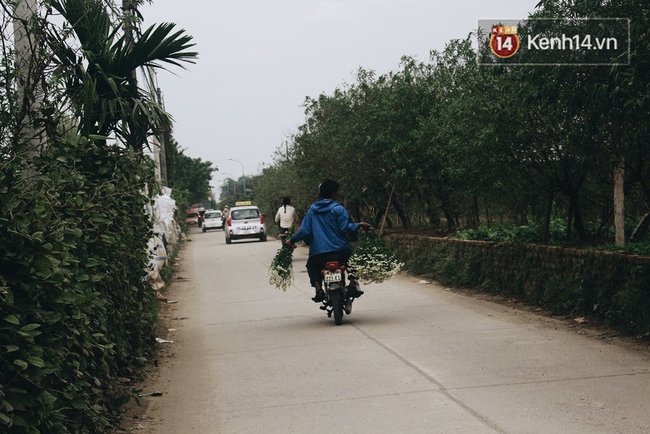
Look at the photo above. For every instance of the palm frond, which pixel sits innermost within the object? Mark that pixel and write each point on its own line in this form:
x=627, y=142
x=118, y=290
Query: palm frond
x=106, y=90
x=89, y=20
x=156, y=45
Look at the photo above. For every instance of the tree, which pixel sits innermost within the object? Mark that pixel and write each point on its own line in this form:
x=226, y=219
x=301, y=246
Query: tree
x=610, y=102
x=189, y=178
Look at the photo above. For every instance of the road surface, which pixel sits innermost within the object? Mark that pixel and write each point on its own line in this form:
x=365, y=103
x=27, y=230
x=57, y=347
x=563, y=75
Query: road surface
x=412, y=358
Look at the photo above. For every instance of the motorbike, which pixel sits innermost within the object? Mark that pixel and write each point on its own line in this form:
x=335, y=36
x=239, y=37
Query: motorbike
x=339, y=296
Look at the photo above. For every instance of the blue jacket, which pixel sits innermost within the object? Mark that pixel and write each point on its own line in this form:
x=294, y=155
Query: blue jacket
x=327, y=222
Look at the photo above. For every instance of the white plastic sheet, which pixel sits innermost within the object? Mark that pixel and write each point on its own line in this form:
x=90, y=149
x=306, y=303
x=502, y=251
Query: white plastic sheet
x=163, y=225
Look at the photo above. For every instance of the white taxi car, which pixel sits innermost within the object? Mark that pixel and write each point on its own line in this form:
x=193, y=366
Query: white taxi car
x=245, y=222
x=212, y=220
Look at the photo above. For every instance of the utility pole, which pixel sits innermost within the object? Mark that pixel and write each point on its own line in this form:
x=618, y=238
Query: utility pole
x=163, y=143
x=28, y=76
x=128, y=18
x=159, y=141
x=127, y=11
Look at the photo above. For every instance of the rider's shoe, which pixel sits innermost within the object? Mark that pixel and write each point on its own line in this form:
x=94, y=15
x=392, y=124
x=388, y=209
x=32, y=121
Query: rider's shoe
x=347, y=306
x=320, y=296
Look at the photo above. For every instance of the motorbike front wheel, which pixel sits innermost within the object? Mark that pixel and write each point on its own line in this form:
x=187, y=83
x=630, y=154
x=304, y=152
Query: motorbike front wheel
x=337, y=306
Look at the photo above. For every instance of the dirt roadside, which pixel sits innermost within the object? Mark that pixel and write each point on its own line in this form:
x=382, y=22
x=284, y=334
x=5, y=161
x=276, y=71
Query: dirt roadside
x=134, y=421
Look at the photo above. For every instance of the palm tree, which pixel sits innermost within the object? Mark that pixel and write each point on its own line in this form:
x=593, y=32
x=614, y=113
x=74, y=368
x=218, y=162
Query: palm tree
x=101, y=81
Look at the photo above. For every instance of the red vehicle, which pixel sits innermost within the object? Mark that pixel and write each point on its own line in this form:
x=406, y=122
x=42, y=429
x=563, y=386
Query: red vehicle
x=193, y=219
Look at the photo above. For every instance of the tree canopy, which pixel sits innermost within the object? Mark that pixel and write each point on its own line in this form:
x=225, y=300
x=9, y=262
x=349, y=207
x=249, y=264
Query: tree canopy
x=452, y=144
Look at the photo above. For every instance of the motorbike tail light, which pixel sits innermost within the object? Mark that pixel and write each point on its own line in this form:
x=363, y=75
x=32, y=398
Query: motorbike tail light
x=332, y=266
x=229, y=221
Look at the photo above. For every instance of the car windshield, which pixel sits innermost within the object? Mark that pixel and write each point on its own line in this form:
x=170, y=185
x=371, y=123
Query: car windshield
x=212, y=215
x=192, y=215
x=242, y=214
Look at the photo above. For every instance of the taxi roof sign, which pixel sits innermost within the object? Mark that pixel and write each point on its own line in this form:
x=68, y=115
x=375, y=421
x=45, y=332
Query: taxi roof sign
x=243, y=203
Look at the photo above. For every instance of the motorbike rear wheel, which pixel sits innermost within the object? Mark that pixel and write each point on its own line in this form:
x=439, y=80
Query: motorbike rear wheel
x=337, y=307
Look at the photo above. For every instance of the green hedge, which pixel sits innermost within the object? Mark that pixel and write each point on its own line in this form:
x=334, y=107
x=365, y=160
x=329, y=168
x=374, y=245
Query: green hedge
x=612, y=286
x=76, y=310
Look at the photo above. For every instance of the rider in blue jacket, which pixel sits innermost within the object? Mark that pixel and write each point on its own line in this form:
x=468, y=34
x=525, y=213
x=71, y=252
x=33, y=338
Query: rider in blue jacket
x=326, y=227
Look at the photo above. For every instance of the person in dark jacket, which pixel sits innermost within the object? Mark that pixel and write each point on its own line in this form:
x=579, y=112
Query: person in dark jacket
x=327, y=226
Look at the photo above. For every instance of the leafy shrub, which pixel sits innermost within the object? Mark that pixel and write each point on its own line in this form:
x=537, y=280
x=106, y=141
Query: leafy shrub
x=482, y=233
x=531, y=233
x=76, y=310
x=641, y=248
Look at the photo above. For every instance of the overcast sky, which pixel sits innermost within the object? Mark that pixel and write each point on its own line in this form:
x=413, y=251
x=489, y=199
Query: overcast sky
x=259, y=59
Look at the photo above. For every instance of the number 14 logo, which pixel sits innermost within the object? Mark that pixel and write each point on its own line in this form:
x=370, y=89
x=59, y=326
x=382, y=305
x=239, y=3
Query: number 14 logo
x=504, y=41
x=504, y=46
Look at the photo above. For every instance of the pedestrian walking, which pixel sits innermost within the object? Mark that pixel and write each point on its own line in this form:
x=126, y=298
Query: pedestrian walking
x=285, y=217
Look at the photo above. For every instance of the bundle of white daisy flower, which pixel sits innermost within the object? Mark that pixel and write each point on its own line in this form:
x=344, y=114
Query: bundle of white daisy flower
x=372, y=261
x=280, y=273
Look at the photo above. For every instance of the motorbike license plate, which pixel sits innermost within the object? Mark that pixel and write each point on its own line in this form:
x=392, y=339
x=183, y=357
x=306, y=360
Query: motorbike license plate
x=332, y=277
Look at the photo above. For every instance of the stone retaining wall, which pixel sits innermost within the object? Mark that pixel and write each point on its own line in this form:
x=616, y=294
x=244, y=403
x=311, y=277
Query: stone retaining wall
x=611, y=285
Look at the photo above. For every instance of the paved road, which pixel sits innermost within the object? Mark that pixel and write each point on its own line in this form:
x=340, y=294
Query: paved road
x=412, y=358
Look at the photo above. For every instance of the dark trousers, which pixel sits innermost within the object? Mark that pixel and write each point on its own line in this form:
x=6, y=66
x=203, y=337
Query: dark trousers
x=282, y=234
x=316, y=263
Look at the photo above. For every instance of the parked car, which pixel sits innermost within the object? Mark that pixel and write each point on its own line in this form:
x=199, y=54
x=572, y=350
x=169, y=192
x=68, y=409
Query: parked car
x=245, y=222
x=192, y=219
x=212, y=220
